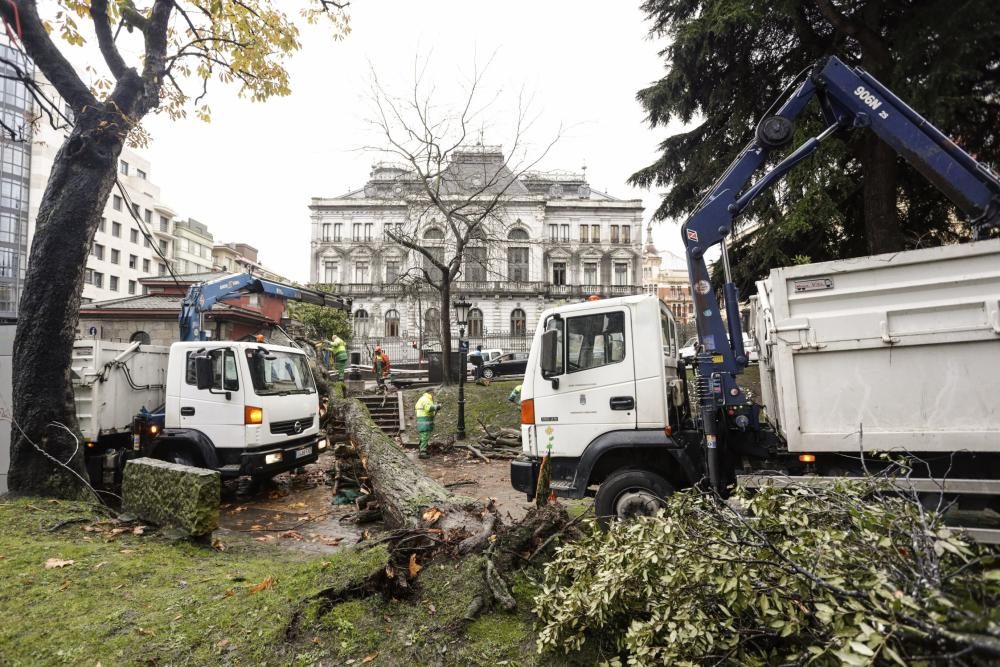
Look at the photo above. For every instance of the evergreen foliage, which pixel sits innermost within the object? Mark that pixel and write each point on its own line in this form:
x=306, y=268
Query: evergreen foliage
x=856, y=574
x=727, y=60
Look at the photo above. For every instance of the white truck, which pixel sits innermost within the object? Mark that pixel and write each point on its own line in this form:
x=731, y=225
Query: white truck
x=897, y=352
x=890, y=353
x=240, y=408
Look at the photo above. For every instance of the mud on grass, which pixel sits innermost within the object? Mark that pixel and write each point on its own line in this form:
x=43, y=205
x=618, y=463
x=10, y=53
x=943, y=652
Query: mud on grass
x=146, y=599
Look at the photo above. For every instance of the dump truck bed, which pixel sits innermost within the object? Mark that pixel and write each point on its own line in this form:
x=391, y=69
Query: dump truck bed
x=107, y=394
x=891, y=352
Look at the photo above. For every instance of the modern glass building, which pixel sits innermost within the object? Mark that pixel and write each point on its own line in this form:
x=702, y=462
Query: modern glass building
x=15, y=170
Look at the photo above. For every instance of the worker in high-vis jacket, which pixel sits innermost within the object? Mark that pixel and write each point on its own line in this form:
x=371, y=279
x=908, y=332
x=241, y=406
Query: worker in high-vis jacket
x=426, y=409
x=338, y=349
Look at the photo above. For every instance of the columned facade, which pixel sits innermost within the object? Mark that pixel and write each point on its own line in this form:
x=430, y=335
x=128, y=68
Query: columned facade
x=554, y=240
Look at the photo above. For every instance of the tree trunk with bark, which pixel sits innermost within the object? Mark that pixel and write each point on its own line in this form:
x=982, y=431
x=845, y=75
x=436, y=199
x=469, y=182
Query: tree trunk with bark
x=44, y=414
x=403, y=491
x=882, y=230
x=445, y=292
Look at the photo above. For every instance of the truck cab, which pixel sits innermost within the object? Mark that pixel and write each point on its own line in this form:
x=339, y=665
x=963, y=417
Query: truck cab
x=605, y=398
x=240, y=408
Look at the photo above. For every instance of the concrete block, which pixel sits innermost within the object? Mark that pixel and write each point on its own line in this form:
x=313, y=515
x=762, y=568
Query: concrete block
x=169, y=494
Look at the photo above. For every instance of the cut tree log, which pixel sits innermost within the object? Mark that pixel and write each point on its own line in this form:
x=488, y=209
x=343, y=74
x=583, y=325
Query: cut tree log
x=403, y=491
x=430, y=522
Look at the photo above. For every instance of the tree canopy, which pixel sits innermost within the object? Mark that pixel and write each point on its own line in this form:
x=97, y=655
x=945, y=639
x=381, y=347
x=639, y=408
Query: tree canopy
x=151, y=55
x=728, y=60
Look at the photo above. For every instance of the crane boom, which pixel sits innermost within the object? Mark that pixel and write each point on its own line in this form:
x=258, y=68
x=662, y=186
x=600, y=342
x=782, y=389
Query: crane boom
x=201, y=297
x=850, y=98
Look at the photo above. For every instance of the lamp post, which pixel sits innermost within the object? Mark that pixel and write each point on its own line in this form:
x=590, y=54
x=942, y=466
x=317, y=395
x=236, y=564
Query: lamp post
x=360, y=333
x=461, y=318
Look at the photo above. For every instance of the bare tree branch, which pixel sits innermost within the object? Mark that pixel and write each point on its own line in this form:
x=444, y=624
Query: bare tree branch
x=106, y=42
x=45, y=55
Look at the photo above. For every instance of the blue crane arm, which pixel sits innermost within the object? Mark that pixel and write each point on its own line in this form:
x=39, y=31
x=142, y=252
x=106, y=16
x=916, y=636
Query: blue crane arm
x=850, y=98
x=201, y=297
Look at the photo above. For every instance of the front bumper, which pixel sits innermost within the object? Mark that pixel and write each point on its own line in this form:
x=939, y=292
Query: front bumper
x=524, y=476
x=273, y=459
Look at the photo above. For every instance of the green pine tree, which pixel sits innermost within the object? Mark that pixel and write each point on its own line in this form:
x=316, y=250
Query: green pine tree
x=728, y=60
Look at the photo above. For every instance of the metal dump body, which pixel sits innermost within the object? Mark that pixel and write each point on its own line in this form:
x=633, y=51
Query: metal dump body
x=891, y=352
x=113, y=381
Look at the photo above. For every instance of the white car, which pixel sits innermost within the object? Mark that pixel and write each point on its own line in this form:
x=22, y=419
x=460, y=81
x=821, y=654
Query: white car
x=488, y=355
x=688, y=352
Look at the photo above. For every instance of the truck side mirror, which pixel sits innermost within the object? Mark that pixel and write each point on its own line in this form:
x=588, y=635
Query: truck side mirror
x=551, y=354
x=203, y=371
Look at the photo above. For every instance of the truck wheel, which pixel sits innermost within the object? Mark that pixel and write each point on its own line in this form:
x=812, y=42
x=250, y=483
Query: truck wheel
x=630, y=493
x=488, y=373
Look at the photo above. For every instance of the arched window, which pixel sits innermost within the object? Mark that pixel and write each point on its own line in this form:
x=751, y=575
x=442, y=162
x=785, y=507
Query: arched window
x=392, y=323
x=518, y=323
x=475, y=323
x=434, y=234
x=517, y=234
x=141, y=336
x=432, y=323
x=518, y=262
x=361, y=323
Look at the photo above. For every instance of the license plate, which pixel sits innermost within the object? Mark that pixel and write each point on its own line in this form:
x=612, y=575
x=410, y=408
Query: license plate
x=301, y=453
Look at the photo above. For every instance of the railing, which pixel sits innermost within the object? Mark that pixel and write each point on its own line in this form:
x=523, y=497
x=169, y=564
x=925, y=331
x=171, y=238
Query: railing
x=488, y=287
x=406, y=349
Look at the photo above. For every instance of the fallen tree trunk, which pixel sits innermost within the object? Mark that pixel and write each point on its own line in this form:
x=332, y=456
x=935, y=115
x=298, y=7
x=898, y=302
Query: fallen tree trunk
x=404, y=492
x=430, y=522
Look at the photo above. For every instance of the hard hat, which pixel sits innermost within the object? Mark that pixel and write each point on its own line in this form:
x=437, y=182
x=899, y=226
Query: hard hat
x=260, y=338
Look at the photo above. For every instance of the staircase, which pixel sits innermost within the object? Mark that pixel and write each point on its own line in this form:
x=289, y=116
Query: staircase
x=385, y=411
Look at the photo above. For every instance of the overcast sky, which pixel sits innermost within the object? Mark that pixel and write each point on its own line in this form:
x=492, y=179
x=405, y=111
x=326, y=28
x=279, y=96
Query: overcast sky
x=250, y=174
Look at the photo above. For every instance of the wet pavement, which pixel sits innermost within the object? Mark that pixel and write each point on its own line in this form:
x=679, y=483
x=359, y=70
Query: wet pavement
x=295, y=511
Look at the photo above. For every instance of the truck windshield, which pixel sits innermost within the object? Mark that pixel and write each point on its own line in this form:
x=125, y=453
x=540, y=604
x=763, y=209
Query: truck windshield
x=274, y=372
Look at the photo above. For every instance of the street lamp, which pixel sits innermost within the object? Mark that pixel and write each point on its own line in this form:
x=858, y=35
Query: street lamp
x=360, y=333
x=461, y=318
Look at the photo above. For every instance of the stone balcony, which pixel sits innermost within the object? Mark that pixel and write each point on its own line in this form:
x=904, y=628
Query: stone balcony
x=489, y=287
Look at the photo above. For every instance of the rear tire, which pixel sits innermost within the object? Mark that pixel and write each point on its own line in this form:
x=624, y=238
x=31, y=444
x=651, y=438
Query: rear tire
x=630, y=493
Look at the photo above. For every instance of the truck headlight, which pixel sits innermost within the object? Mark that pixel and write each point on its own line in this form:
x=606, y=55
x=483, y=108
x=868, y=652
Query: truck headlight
x=323, y=444
x=273, y=458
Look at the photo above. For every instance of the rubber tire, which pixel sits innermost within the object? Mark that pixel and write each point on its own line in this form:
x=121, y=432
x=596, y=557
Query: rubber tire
x=623, y=480
x=488, y=373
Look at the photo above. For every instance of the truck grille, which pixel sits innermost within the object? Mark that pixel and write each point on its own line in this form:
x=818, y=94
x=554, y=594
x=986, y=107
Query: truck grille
x=292, y=426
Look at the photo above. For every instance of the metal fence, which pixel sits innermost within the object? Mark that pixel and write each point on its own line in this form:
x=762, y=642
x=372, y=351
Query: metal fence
x=408, y=351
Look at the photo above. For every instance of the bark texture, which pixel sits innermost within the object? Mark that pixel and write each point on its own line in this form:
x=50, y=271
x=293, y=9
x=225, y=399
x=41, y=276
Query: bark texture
x=81, y=180
x=46, y=455
x=882, y=230
x=404, y=492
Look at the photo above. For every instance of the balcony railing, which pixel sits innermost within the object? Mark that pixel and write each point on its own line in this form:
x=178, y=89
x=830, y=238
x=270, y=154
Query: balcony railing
x=487, y=287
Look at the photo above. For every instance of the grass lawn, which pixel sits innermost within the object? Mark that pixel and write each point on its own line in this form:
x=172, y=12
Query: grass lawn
x=145, y=599
x=488, y=403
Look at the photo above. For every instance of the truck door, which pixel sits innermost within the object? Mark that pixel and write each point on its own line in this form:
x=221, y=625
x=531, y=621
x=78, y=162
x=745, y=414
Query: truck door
x=596, y=390
x=216, y=412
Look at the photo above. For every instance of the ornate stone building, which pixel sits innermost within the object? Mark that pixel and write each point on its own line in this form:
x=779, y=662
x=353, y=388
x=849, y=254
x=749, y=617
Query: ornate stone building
x=555, y=239
x=665, y=274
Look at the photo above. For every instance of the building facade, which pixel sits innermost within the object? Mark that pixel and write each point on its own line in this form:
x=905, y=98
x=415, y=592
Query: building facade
x=665, y=275
x=133, y=239
x=242, y=258
x=16, y=107
x=192, y=247
x=553, y=240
